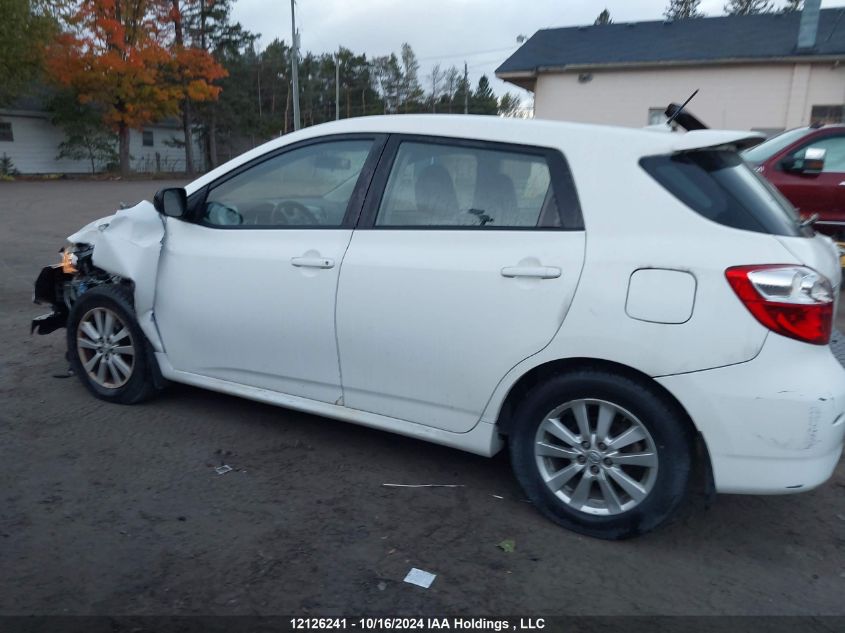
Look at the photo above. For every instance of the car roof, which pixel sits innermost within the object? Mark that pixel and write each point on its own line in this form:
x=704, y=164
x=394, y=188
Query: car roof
x=573, y=139
x=826, y=126
x=815, y=127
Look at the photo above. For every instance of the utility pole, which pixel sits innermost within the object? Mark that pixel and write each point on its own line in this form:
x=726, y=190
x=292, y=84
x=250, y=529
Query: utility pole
x=433, y=91
x=337, y=87
x=466, y=89
x=295, y=64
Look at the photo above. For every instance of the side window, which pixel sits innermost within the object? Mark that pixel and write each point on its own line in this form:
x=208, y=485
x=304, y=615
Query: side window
x=432, y=184
x=308, y=186
x=834, y=160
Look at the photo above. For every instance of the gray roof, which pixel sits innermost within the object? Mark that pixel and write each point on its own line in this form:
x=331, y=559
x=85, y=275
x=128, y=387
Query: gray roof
x=698, y=40
x=36, y=102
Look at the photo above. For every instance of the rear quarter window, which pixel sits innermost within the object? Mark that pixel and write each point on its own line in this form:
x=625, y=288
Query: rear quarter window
x=719, y=185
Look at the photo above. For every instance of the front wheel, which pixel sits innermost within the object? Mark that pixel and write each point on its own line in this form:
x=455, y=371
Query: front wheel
x=602, y=454
x=106, y=347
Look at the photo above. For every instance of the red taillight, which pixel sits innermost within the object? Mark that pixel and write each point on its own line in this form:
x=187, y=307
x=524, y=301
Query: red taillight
x=795, y=301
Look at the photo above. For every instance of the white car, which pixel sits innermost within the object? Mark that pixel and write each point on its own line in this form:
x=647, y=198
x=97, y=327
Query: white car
x=618, y=307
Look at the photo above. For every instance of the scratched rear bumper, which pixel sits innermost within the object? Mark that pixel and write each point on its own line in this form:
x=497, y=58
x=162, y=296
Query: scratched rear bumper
x=772, y=425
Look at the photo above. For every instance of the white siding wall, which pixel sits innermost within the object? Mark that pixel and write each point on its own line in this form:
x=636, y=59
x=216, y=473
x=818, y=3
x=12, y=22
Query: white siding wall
x=761, y=96
x=36, y=145
x=161, y=156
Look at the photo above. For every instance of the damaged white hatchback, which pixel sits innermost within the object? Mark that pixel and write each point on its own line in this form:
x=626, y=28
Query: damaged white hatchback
x=620, y=307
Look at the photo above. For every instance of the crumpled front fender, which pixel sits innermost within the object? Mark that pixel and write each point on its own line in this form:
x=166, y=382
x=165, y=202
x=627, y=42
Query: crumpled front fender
x=128, y=244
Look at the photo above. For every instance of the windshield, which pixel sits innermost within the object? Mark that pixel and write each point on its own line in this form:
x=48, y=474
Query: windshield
x=720, y=186
x=765, y=150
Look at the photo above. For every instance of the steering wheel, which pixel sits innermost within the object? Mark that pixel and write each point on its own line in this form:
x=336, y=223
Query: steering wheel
x=293, y=213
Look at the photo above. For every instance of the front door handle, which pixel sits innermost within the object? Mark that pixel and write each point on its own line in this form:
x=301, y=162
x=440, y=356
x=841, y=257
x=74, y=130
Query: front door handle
x=312, y=262
x=537, y=272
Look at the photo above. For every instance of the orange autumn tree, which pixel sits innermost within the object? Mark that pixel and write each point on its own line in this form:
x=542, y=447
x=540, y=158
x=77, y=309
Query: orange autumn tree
x=116, y=54
x=192, y=69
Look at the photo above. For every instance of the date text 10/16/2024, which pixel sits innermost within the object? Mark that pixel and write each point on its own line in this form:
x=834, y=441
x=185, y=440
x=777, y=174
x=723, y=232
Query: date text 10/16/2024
x=416, y=624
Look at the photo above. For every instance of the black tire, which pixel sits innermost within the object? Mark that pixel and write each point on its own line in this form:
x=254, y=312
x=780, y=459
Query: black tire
x=138, y=383
x=670, y=434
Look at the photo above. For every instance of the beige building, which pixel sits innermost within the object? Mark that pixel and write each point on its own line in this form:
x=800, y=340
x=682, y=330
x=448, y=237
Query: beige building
x=752, y=72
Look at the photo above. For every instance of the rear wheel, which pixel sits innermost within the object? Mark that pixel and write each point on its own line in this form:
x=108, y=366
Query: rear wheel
x=106, y=347
x=601, y=454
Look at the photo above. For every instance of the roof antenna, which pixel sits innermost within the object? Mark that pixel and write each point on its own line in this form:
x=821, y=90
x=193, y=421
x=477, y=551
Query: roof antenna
x=687, y=121
x=682, y=106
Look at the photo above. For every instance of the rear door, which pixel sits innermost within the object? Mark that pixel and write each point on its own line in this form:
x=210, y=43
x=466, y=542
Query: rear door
x=464, y=264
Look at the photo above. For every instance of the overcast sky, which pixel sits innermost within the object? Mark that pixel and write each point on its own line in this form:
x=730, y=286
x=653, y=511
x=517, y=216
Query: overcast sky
x=481, y=32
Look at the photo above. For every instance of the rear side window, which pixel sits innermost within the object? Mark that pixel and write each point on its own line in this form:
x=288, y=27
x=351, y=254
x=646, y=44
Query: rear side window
x=442, y=185
x=718, y=185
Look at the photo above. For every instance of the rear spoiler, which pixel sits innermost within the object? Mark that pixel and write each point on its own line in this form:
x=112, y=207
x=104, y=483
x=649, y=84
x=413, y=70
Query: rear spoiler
x=703, y=139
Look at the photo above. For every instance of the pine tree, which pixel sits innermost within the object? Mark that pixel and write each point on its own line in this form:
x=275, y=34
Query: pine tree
x=792, y=5
x=682, y=9
x=604, y=18
x=412, y=93
x=483, y=100
x=748, y=7
x=26, y=28
x=510, y=105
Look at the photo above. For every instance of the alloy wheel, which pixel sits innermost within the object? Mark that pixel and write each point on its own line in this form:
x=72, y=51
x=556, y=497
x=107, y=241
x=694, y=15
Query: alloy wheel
x=105, y=346
x=596, y=457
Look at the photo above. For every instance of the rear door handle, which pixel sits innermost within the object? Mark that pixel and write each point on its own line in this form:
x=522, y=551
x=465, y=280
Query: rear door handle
x=312, y=262
x=537, y=272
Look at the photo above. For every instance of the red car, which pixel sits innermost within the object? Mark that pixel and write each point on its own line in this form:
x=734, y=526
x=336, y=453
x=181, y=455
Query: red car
x=807, y=165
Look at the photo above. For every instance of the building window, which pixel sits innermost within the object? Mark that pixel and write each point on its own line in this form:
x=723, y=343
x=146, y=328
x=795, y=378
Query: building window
x=656, y=116
x=6, y=132
x=823, y=114
x=147, y=138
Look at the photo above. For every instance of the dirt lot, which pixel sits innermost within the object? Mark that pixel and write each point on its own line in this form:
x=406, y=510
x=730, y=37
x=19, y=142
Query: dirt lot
x=109, y=509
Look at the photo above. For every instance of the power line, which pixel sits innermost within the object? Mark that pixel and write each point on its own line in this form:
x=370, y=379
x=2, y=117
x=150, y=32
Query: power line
x=456, y=55
x=482, y=64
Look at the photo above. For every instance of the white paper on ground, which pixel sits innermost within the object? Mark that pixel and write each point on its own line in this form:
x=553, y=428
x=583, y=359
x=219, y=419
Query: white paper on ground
x=420, y=578
x=423, y=485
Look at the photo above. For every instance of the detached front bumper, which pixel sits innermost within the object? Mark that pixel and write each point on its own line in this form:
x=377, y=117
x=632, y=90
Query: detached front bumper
x=772, y=425
x=49, y=290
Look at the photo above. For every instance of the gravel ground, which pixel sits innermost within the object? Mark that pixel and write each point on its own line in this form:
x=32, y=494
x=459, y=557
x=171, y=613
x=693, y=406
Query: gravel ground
x=117, y=510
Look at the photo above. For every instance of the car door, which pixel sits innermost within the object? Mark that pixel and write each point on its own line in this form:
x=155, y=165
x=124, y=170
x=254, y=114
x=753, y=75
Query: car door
x=464, y=263
x=822, y=193
x=246, y=290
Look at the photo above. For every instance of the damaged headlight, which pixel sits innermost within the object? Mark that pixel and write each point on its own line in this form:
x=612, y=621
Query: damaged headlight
x=75, y=258
x=61, y=284
x=69, y=259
